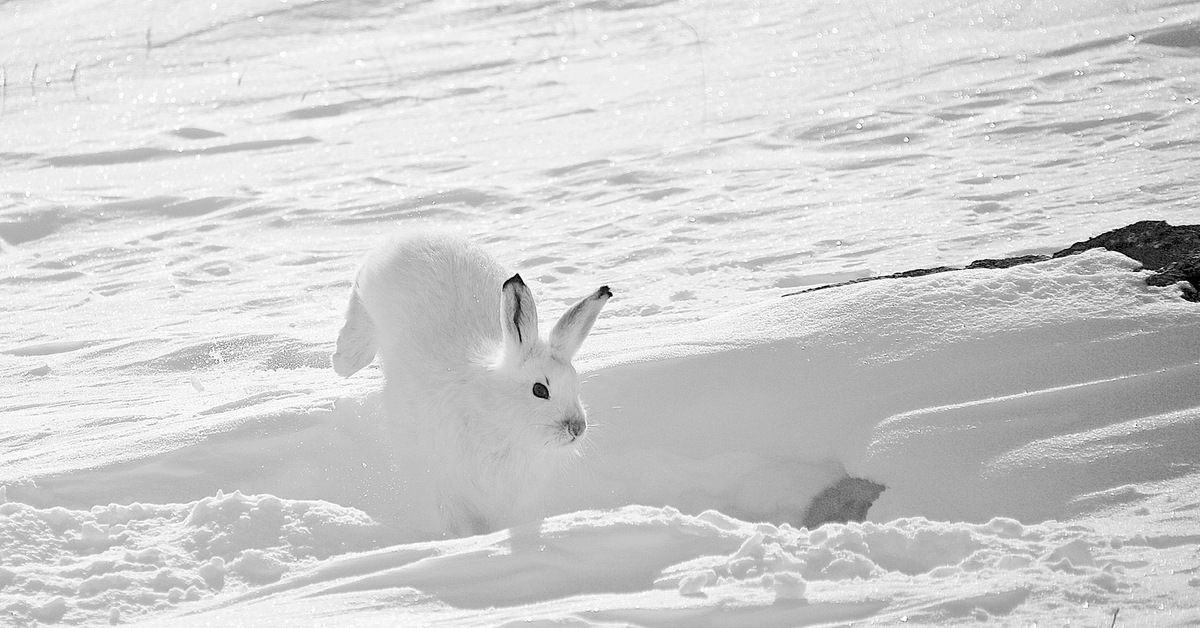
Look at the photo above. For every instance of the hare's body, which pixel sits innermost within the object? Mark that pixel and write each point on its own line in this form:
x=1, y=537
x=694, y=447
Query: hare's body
x=492, y=408
x=438, y=303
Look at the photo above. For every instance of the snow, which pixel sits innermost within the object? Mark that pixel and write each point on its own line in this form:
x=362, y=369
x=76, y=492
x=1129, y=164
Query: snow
x=188, y=189
x=1001, y=498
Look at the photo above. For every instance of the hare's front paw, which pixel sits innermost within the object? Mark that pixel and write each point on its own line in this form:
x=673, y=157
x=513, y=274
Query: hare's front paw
x=356, y=344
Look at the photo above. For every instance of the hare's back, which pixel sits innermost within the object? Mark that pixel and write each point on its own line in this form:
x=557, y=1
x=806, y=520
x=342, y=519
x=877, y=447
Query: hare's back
x=436, y=293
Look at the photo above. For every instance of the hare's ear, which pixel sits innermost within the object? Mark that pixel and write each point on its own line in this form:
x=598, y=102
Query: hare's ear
x=356, y=343
x=576, y=322
x=519, y=315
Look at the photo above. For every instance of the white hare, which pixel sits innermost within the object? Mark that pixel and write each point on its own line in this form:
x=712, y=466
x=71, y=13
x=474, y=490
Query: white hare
x=494, y=407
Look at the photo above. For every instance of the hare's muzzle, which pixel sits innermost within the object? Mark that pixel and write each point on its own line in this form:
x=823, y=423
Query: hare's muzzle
x=574, y=425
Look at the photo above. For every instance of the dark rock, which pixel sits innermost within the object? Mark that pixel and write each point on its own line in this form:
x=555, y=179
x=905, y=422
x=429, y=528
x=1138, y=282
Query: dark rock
x=1006, y=262
x=1174, y=252
x=920, y=272
x=846, y=500
x=1185, y=271
x=1154, y=243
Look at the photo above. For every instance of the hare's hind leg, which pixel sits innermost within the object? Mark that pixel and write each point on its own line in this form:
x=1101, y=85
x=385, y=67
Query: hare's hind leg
x=356, y=343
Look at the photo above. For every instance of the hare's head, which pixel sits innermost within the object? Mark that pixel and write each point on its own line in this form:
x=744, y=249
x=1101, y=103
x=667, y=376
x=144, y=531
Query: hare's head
x=538, y=384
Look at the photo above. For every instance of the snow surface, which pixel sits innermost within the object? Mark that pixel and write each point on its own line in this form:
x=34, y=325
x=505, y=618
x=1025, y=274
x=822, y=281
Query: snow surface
x=186, y=190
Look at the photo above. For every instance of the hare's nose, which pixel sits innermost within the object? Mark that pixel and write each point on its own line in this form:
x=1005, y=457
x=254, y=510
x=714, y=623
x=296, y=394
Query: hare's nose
x=575, y=426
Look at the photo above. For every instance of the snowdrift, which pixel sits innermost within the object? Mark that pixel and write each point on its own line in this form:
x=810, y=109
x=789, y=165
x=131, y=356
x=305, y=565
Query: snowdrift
x=1004, y=411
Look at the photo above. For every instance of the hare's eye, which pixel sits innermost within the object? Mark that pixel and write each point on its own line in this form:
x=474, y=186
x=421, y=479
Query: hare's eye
x=540, y=390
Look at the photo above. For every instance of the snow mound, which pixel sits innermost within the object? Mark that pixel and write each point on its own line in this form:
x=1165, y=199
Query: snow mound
x=1026, y=392
x=582, y=569
x=122, y=561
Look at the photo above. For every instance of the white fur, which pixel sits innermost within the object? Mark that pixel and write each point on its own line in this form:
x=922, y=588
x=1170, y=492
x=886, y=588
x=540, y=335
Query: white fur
x=461, y=353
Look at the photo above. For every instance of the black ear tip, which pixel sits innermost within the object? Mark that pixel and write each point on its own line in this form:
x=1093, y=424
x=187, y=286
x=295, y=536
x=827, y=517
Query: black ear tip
x=515, y=279
x=604, y=291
